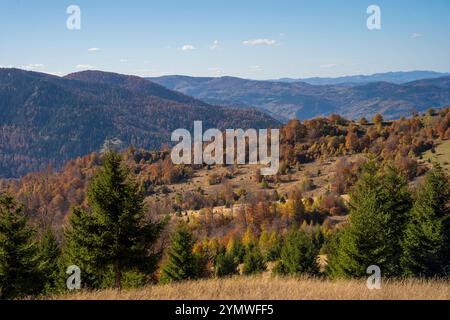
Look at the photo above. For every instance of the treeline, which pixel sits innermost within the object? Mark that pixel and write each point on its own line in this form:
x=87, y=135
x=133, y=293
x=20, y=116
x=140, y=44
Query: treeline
x=403, y=141
x=114, y=241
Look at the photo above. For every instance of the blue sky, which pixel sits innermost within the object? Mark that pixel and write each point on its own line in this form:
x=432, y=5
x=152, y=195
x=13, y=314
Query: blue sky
x=252, y=39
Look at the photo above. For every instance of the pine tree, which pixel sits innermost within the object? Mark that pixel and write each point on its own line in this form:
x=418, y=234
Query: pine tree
x=254, y=261
x=181, y=263
x=426, y=244
x=236, y=249
x=378, y=214
x=49, y=261
x=114, y=232
x=225, y=265
x=19, y=273
x=298, y=254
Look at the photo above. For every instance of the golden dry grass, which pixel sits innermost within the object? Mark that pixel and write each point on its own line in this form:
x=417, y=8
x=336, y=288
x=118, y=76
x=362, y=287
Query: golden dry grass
x=269, y=288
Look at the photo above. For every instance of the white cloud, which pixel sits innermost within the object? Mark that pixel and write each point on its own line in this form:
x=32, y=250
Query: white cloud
x=216, y=71
x=328, y=65
x=256, y=68
x=85, y=66
x=416, y=35
x=93, y=49
x=215, y=45
x=257, y=42
x=123, y=60
x=32, y=66
x=187, y=47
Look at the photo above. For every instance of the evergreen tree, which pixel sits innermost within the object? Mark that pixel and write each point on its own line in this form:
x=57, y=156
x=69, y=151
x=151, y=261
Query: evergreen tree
x=426, y=244
x=236, y=249
x=19, y=273
x=225, y=265
x=298, y=254
x=254, y=261
x=114, y=232
x=318, y=237
x=270, y=245
x=181, y=263
x=378, y=213
x=49, y=261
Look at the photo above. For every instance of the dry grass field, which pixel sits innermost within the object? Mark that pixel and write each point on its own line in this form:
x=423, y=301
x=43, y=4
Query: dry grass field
x=270, y=288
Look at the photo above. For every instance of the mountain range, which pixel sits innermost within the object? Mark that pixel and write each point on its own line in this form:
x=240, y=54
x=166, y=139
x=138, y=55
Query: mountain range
x=45, y=119
x=48, y=120
x=392, y=77
x=287, y=100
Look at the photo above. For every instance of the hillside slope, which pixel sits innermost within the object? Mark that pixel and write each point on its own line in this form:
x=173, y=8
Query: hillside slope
x=46, y=119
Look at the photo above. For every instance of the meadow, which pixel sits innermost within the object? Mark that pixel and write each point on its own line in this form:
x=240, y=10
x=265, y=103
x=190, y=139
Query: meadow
x=265, y=287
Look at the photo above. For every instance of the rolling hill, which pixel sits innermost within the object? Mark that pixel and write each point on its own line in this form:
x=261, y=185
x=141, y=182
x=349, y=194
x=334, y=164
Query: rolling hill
x=285, y=100
x=46, y=119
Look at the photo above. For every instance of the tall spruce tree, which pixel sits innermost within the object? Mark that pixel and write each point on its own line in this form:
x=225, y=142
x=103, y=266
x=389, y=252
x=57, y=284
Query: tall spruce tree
x=49, y=261
x=426, y=243
x=379, y=208
x=19, y=272
x=114, y=232
x=181, y=263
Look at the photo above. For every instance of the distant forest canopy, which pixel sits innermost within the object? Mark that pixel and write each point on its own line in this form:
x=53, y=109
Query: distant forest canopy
x=48, y=120
x=49, y=195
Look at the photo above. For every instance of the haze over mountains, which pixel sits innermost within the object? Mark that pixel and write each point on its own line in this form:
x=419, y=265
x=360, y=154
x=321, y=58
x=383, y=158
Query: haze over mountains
x=286, y=100
x=46, y=119
x=393, y=77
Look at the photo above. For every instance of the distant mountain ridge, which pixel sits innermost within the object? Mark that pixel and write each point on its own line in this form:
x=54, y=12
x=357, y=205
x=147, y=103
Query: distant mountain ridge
x=399, y=77
x=286, y=100
x=46, y=119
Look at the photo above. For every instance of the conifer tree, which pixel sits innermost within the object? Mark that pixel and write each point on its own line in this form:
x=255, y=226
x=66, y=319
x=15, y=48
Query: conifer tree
x=181, y=263
x=426, y=244
x=379, y=208
x=19, y=272
x=49, y=261
x=225, y=265
x=236, y=249
x=295, y=207
x=254, y=261
x=270, y=245
x=114, y=232
x=298, y=254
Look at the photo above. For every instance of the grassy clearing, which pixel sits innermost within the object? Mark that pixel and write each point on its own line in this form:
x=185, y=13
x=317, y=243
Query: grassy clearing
x=268, y=288
x=442, y=155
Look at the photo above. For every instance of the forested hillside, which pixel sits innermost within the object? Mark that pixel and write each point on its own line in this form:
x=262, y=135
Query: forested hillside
x=46, y=119
x=180, y=222
x=321, y=156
